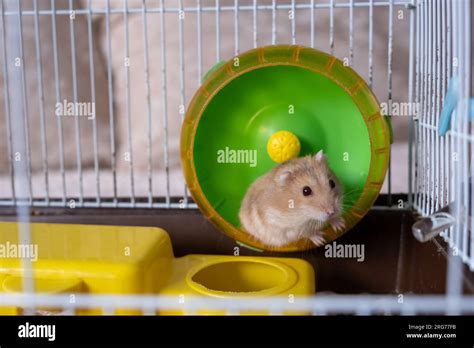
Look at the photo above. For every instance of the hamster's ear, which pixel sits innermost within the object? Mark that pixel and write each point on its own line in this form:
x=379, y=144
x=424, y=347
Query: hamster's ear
x=284, y=176
x=320, y=156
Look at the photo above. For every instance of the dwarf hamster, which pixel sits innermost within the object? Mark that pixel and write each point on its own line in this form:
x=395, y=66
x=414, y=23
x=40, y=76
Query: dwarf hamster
x=293, y=201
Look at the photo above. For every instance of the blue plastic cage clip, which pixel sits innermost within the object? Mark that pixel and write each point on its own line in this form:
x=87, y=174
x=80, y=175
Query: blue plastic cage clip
x=450, y=103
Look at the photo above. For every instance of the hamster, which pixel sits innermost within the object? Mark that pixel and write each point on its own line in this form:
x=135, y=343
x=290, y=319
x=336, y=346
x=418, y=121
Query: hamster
x=295, y=200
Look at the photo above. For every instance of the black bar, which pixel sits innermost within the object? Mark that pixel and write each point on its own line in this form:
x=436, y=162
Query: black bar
x=227, y=330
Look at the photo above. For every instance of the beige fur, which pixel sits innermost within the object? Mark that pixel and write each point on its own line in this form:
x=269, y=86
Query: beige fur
x=275, y=211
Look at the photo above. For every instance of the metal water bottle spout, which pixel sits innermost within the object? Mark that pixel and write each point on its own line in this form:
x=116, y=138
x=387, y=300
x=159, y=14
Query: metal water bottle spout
x=430, y=226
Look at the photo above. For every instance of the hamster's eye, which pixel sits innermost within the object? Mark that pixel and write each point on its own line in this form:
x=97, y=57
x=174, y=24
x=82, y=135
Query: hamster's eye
x=307, y=191
x=332, y=184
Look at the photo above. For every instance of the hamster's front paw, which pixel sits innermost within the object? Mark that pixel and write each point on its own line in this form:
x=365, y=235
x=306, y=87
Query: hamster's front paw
x=318, y=240
x=338, y=224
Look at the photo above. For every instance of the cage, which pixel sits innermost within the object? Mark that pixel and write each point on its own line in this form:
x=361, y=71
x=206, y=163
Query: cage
x=129, y=69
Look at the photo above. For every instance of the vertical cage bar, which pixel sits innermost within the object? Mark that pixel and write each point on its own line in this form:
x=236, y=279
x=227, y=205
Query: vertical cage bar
x=113, y=153
x=428, y=153
x=445, y=140
x=274, y=32
x=293, y=22
x=146, y=63
x=371, y=42
x=92, y=84
x=468, y=93
x=199, y=40
x=442, y=89
x=13, y=40
x=389, y=97
x=351, y=32
x=432, y=133
x=424, y=150
x=25, y=107
x=7, y=105
x=410, y=102
x=418, y=169
x=433, y=116
x=218, y=32
x=469, y=141
x=77, y=124
x=39, y=71
x=429, y=113
x=312, y=24
x=59, y=121
x=331, y=27
x=439, y=170
x=181, y=80
x=429, y=104
x=255, y=28
x=127, y=100
x=463, y=107
x=455, y=120
x=462, y=114
x=423, y=176
x=449, y=154
x=459, y=124
x=453, y=284
x=236, y=26
x=165, y=100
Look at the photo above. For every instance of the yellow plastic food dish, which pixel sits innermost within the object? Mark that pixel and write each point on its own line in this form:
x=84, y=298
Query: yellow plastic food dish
x=283, y=146
x=92, y=259
x=239, y=276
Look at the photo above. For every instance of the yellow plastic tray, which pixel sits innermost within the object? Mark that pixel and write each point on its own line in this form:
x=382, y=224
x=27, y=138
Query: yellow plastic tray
x=92, y=259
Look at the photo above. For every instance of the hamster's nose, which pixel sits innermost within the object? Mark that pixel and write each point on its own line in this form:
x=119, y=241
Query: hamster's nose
x=330, y=211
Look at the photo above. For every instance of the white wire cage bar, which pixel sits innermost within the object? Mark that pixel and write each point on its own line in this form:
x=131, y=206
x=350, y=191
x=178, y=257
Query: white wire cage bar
x=444, y=162
x=71, y=177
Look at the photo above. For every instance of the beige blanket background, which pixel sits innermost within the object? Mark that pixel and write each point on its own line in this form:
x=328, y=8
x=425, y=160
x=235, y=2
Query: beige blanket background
x=133, y=102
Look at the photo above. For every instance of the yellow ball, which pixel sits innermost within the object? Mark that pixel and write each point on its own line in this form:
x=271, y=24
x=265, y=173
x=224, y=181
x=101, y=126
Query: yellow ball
x=283, y=146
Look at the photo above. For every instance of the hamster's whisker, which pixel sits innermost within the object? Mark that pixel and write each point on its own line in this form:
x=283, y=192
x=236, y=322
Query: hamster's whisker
x=352, y=194
x=356, y=189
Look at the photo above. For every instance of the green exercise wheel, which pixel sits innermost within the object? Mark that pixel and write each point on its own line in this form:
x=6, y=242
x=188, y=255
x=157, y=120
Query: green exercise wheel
x=309, y=94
